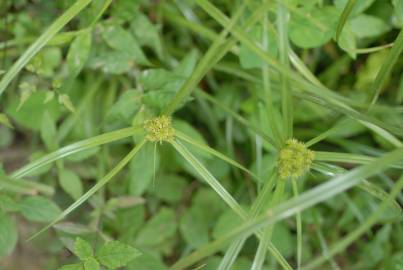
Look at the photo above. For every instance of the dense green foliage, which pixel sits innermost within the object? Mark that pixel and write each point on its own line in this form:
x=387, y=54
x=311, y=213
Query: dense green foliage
x=199, y=134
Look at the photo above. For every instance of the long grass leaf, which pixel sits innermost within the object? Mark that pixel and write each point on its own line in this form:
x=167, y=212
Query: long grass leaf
x=386, y=67
x=316, y=94
x=354, y=235
x=203, y=65
x=307, y=199
x=74, y=148
x=221, y=191
x=209, y=178
x=55, y=27
x=286, y=96
x=349, y=158
x=216, y=153
x=365, y=185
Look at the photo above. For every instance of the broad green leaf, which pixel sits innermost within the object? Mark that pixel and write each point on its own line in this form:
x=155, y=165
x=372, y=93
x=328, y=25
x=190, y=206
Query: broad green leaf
x=91, y=264
x=161, y=227
x=305, y=34
x=83, y=249
x=358, y=8
x=39, y=209
x=48, y=131
x=366, y=26
x=187, y=64
x=124, y=109
x=194, y=226
x=347, y=41
x=146, y=262
x=31, y=114
x=122, y=40
x=146, y=33
x=142, y=170
x=42, y=40
x=226, y=222
x=8, y=235
x=115, y=254
x=169, y=188
x=8, y=204
x=78, y=53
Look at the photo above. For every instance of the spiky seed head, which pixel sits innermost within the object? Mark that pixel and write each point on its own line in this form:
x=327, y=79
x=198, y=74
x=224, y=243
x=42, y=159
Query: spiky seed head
x=294, y=159
x=159, y=129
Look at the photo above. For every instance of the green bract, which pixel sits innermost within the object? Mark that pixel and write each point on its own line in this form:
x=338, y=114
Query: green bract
x=294, y=159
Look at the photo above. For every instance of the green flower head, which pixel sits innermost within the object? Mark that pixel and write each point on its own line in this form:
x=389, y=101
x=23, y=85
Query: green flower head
x=159, y=129
x=294, y=159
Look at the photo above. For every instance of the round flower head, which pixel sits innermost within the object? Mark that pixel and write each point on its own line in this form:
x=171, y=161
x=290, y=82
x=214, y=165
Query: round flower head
x=294, y=159
x=159, y=129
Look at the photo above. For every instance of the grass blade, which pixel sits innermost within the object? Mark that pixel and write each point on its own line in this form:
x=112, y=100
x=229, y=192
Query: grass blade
x=386, y=67
x=305, y=200
x=232, y=253
x=53, y=29
x=209, y=178
x=299, y=226
x=365, y=185
x=237, y=117
x=74, y=148
x=260, y=256
x=221, y=191
x=351, y=237
x=95, y=188
x=349, y=158
x=343, y=18
x=203, y=65
x=214, y=152
x=286, y=96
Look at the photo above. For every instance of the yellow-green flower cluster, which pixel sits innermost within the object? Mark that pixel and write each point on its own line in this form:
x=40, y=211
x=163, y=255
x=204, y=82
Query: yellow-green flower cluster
x=159, y=129
x=294, y=159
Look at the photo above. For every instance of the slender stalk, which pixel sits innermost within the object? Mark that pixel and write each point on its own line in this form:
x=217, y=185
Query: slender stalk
x=299, y=226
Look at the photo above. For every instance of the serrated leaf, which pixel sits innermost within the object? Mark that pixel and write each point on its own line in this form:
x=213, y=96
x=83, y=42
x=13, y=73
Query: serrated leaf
x=8, y=235
x=39, y=209
x=124, y=109
x=71, y=183
x=306, y=34
x=158, y=229
x=48, y=131
x=91, y=264
x=78, y=53
x=115, y=254
x=83, y=249
x=120, y=39
x=146, y=33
